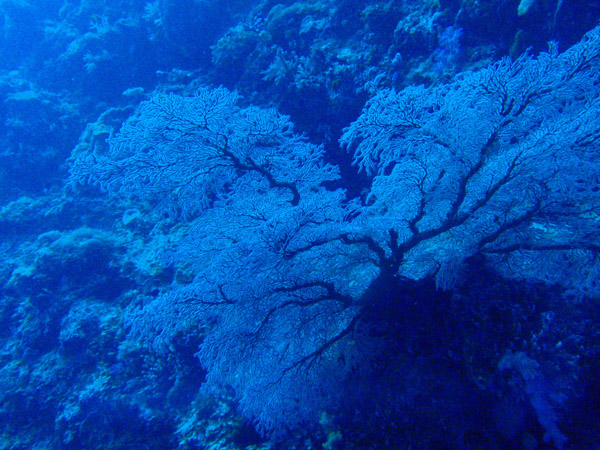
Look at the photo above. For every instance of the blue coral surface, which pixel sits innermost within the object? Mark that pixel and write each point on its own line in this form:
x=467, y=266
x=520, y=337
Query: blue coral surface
x=336, y=225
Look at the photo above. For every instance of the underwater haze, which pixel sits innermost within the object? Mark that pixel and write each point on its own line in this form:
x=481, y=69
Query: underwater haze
x=317, y=225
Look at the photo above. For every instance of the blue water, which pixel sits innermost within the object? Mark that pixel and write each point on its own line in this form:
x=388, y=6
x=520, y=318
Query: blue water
x=299, y=225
